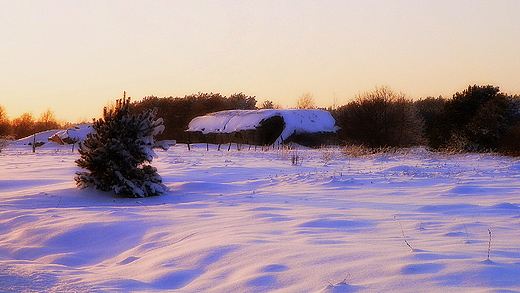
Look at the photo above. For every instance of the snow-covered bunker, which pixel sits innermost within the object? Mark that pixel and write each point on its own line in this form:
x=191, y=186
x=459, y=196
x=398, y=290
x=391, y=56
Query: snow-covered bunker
x=80, y=132
x=72, y=135
x=307, y=127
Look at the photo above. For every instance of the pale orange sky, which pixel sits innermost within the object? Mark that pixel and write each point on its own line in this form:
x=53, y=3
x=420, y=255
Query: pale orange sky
x=75, y=57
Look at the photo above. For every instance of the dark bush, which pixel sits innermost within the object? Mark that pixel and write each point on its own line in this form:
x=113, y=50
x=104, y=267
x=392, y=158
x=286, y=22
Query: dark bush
x=476, y=120
x=491, y=123
x=510, y=145
x=381, y=118
x=429, y=110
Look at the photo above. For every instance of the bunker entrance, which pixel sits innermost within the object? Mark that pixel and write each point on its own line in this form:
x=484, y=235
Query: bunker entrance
x=270, y=129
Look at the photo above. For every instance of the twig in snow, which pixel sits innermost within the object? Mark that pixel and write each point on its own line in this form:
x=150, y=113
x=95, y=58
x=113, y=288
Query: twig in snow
x=489, y=244
x=402, y=231
x=466, y=230
x=138, y=202
x=344, y=282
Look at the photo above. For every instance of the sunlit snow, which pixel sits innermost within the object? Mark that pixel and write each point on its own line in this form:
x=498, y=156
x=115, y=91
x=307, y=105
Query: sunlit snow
x=252, y=221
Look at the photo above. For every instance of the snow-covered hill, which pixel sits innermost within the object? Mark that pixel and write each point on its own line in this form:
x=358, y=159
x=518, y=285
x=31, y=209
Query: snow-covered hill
x=251, y=221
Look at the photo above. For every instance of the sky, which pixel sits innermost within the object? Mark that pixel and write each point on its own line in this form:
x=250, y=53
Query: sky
x=75, y=57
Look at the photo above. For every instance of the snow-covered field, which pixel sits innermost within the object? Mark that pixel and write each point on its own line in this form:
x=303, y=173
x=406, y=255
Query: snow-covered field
x=251, y=221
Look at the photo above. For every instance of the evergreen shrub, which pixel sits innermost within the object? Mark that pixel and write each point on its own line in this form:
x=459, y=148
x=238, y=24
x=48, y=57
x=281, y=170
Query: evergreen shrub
x=118, y=154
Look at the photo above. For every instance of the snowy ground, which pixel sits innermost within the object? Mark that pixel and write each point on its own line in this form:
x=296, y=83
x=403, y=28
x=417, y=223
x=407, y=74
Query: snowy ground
x=251, y=221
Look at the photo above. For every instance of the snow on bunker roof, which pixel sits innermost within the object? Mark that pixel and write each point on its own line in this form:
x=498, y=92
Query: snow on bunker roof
x=295, y=121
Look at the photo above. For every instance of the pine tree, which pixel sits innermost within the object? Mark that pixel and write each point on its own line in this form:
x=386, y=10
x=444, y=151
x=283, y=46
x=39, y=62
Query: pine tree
x=118, y=153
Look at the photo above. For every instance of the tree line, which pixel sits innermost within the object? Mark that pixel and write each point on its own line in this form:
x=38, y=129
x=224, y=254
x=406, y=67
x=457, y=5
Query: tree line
x=177, y=112
x=478, y=119
x=26, y=124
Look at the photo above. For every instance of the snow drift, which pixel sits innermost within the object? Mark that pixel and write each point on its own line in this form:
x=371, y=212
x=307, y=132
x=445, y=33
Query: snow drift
x=250, y=221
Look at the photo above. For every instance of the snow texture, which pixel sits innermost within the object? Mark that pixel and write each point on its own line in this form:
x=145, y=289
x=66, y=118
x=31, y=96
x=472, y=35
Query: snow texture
x=251, y=221
x=296, y=121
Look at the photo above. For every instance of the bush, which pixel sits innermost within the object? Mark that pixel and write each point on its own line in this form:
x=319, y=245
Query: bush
x=429, y=109
x=4, y=142
x=118, y=153
x=476, y=120
x=379, y=119
x=491, y=123
x=510, y=145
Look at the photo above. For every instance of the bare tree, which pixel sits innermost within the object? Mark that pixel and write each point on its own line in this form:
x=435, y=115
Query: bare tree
x=23, y=125
x=306, y=101
x=5, y=125
x=47, y=121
